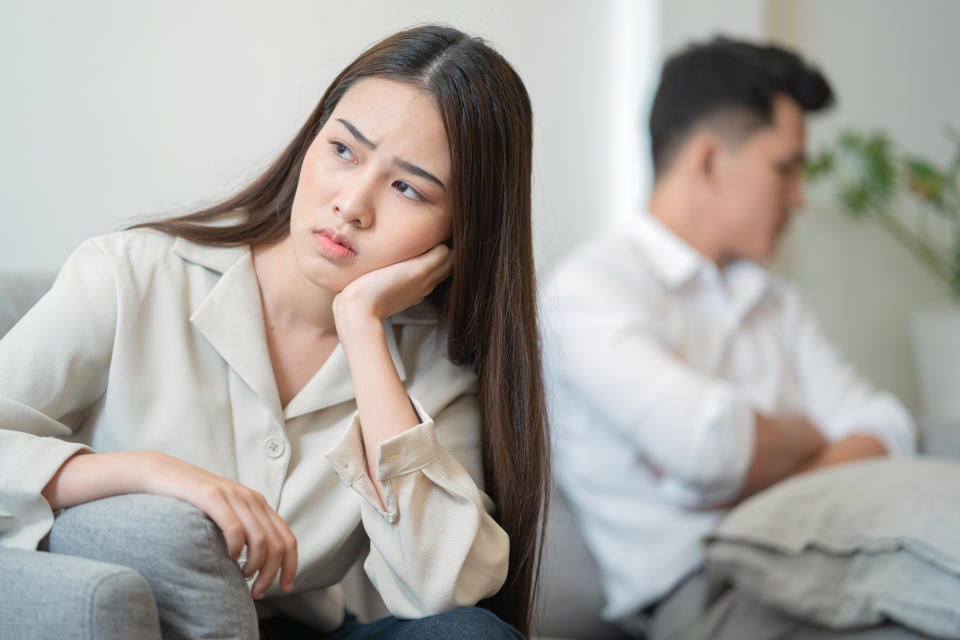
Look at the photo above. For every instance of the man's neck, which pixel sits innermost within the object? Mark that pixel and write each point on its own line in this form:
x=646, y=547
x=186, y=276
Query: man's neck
x=674, y=209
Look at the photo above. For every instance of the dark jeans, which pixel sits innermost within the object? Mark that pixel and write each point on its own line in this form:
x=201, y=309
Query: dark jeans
x=466, y=623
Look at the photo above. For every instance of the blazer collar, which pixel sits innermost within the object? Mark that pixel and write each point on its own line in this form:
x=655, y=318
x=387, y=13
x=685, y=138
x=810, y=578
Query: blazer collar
x=218, y=259
x=230, y=318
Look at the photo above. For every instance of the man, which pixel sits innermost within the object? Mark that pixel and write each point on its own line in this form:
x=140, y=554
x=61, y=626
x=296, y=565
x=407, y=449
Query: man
x=684, y=377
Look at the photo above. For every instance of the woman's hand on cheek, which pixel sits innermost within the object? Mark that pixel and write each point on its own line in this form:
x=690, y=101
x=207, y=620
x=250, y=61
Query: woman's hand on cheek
x=385, y=291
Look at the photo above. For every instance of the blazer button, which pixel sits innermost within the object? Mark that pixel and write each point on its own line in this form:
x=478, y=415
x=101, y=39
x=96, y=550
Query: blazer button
x=274, y=447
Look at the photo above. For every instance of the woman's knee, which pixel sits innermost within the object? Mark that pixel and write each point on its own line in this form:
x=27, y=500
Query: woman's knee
x=127, y=527
x=482, y=623
x=178, y=550
x=466, y=623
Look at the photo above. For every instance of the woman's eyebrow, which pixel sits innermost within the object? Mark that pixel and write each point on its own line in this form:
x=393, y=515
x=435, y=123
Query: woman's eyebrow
x=414, y=169
x=362, y=139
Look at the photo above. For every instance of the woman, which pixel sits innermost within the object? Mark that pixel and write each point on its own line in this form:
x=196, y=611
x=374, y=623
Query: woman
x=364, y=308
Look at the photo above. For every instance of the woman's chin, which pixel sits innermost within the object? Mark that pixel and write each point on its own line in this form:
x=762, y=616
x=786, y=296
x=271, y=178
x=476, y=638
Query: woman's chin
x=326, y=282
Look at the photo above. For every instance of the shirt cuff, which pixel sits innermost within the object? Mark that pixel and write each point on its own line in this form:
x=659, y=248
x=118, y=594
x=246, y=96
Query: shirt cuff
x=28, y=515
x=718, y=456
x=398, y=456
x=42, y=457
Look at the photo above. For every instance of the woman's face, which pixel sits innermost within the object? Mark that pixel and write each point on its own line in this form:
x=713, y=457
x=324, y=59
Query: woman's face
x=374, y=188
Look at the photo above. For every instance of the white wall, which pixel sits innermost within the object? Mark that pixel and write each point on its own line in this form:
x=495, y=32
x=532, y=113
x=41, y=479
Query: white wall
x=114, y=111
x=686, y=21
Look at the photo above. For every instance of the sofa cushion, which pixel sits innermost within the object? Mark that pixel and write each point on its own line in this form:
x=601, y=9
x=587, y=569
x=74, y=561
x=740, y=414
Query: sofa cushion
x=852, y=545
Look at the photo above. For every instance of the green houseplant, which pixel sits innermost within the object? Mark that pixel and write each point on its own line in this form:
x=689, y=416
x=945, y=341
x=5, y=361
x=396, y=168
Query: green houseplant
x=918, y=203
x=915, y=200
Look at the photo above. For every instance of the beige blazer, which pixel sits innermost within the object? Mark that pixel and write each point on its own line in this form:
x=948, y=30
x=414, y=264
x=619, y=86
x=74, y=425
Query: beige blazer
x=151, y=342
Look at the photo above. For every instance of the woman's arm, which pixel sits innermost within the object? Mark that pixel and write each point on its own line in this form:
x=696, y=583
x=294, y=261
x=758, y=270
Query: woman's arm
x=434, y=544
x=243, y=515
x=54, y=366
x=360, y=309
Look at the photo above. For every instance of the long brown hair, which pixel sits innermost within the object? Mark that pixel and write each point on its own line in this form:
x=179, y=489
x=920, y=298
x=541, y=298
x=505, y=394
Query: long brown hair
x=489, y=300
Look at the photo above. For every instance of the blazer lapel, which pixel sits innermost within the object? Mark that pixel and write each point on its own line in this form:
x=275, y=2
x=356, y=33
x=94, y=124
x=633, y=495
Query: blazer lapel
x=332, y=383
x=230, y=318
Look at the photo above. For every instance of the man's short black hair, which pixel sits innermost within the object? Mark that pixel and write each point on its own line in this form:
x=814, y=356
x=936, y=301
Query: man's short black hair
x=728, y=79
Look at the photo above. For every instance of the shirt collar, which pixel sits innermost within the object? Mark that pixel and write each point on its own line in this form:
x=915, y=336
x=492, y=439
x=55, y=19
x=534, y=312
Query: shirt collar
x=231, y=320
x=677, y=264
x=672, y=260
x=220, y=259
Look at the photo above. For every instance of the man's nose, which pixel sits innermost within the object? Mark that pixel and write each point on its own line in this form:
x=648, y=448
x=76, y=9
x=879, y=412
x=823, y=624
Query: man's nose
x=795, y=196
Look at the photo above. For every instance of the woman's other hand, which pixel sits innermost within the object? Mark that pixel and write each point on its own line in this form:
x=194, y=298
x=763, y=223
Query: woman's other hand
x=242, y=514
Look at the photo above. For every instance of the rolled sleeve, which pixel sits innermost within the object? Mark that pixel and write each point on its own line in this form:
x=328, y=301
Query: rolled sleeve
x=719, y=451
x=25, y=516
x=409, y=451
x=695, y=429
x=435, y=546
x=402, y=454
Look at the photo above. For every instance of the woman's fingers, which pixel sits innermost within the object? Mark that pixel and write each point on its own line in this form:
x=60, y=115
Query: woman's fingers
x=395, y=287
x=218, y=509
x=442, y=260
x=255, y=536
x=288, y=567
x=270, y=543
x=273, y=545
x=243, y=515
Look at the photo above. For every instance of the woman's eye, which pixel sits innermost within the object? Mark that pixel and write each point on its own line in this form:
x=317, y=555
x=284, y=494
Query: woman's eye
x=407, y=190
x=341, y=150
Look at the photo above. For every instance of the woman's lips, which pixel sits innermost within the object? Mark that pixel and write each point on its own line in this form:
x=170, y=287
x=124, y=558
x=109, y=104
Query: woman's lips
x=333, y=245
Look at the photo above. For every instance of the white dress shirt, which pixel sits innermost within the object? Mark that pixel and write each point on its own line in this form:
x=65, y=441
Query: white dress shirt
x=147, y=342
x=656, y=362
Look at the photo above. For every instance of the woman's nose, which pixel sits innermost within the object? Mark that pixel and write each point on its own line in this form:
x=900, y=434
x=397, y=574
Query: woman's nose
x=354, y=202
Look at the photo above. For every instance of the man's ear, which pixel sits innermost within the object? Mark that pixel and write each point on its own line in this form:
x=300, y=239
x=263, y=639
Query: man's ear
x=700, y=157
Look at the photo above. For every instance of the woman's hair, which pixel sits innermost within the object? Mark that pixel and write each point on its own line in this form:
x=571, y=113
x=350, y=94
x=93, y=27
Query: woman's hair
x=489, y=301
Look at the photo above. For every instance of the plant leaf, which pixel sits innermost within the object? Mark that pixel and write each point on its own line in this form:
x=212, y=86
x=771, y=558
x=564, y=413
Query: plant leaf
x=955, y=264
x=925, y=181
x=819, y=166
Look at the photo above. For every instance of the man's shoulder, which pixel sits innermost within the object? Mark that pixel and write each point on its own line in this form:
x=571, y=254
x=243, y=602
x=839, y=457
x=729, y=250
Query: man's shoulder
x=613, y=256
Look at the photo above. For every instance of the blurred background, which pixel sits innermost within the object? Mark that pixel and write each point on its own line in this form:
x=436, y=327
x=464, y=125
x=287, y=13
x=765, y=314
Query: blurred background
x=116, y=111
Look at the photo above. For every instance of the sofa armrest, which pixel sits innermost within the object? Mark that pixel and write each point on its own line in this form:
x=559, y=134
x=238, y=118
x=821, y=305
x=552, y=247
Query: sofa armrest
x=49, y=595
